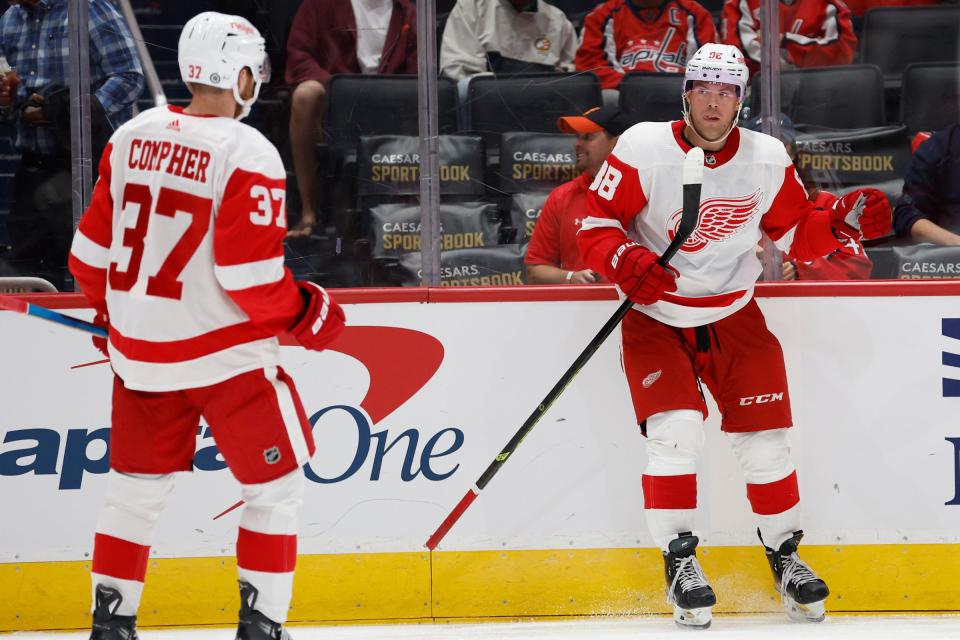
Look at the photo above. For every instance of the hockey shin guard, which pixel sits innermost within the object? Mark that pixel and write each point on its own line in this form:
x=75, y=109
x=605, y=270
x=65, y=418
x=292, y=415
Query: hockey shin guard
x=267, y=541
x=674, y=444
x=124, y=530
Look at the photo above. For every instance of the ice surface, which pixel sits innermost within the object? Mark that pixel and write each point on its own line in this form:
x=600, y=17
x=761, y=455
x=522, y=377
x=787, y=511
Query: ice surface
x=739, y=627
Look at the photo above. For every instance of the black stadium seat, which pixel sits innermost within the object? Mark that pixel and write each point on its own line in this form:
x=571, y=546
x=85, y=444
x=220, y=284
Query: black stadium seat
x=845, y=97
x=651, y=97
x=528, y=102
x=388, y=166
x=533, y=161
x=894, y=37
x=366, y=105
x=931, y=96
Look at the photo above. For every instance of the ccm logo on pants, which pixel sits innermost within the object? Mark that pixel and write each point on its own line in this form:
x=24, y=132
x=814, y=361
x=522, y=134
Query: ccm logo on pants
x=763, y=398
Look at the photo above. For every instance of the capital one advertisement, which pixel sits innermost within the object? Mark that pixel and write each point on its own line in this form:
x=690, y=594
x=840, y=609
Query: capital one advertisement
x=415, y=400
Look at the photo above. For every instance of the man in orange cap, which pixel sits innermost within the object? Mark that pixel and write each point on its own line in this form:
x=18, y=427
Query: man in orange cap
x=552, y=256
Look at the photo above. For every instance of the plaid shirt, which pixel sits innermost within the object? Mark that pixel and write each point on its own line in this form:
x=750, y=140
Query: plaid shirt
x=36, y=44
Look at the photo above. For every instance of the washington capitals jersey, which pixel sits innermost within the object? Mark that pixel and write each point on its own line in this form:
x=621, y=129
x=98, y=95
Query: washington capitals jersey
x=748, y=187
x=815, y=32
x=619, y=38
x=182, y=246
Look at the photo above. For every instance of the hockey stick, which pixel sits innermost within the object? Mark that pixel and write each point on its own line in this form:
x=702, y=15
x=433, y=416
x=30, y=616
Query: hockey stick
x=9, y=303
x=692, y=182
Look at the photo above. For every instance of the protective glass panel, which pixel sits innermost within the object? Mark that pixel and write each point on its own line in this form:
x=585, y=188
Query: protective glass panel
x=861, y=86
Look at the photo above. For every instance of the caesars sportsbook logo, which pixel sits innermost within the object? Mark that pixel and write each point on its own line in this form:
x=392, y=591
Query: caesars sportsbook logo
x=399, y=361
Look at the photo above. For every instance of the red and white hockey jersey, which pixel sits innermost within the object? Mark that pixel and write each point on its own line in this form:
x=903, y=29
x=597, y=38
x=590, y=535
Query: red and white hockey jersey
x=815, y=32
x=748, y=186
x=619, y=38
x=183, y=246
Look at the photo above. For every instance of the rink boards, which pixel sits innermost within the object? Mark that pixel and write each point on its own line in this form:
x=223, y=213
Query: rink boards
x=422, y=392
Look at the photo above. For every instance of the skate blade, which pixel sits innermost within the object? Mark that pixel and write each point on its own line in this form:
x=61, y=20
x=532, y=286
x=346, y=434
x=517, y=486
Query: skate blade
x=813, y=612
x=693, y=618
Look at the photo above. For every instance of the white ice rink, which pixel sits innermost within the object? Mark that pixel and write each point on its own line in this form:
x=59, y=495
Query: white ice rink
x=766, y=627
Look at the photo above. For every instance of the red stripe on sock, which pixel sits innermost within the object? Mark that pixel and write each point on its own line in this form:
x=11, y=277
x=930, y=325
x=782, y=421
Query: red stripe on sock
x=774, y=497
x=269, y=552
x=670, y=492
x=119, y=558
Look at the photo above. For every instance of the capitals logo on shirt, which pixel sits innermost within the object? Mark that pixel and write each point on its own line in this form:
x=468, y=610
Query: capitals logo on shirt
x=720, y=219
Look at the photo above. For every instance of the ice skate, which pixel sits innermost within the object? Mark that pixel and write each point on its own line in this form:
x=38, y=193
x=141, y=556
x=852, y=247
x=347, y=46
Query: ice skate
x=253, y=624
x=800, y=589
x=687, y=589
x=107, y=625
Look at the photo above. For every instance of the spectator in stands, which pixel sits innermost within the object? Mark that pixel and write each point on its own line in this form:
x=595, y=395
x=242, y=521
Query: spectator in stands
x=552, y=256
x=506, y=36
x=337, y=36
x=35, y=41
x=850, y=262
x=621, y=36
x=813, y=33
x=928, y=210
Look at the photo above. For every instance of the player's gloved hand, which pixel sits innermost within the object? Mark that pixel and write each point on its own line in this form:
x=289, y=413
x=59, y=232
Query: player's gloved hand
x=636, y=271
x=101, y=320
x=322, y=319
x=864, y=213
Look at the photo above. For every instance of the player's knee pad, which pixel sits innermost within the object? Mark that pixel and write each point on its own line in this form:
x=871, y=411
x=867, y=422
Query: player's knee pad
x=133, y=505
x=674, y=442
x=272, y=507
x=764, y=455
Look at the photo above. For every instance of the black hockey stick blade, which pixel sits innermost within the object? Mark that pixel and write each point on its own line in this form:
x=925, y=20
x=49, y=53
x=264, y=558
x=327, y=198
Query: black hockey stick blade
x=692, y=180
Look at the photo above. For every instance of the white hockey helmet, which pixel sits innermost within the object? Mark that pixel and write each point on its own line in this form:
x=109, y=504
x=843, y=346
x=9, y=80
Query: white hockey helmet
x=716, y=63
x=213, y=49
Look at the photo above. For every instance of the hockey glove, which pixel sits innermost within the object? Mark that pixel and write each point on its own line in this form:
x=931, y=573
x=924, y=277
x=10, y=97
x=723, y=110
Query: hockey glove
x=101, y=320
x=862, y=214
x=636, y=271
x=322, y=319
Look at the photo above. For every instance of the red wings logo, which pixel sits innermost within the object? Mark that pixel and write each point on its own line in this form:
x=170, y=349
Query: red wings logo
x=720, y=218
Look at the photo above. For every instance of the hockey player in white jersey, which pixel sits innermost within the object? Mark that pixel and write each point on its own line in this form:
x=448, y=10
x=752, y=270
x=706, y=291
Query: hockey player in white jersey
x=181, y=254
x=696, y=321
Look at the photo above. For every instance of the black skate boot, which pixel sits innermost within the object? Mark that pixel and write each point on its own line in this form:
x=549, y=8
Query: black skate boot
x=107, y=625
x=253, y=624
x=800, y=589
x=687, y=588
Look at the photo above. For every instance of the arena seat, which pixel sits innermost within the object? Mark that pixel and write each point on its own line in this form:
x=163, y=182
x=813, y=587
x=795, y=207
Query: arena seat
x=894, y=37
x=363, y=105
x=388, y=166
x=842, y=97
x=930, y=98
x=527, y=102
x=651, y=97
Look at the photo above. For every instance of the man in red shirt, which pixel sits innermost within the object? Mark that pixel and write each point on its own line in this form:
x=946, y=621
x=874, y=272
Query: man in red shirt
x=813, y=33
x=553, y=256
x=621, y=36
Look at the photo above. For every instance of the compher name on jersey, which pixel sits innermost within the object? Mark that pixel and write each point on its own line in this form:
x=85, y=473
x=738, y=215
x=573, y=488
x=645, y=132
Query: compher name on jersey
x=170, y=157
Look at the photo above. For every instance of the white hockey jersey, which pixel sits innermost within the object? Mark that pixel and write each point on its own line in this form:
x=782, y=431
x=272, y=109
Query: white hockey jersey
x=182, y=246
x=748, y=186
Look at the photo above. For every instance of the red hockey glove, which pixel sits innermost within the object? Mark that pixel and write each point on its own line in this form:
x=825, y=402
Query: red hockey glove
x=101, y=320
x=322, y=319
x=636, y=271
x=862, y=214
